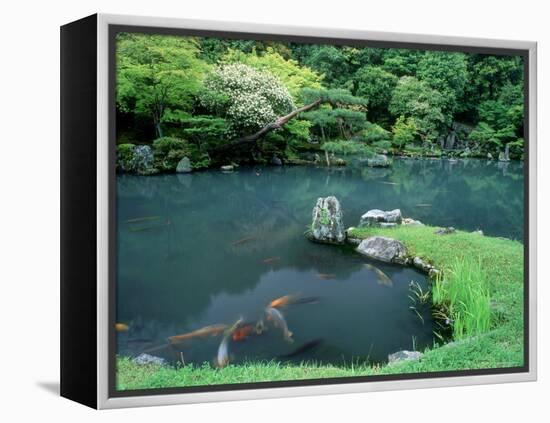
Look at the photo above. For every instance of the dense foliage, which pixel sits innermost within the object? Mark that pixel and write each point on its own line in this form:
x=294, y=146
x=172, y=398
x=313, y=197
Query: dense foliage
x=208, y=92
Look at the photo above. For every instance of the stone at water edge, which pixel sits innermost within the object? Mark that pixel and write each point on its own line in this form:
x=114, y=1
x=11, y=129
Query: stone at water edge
x=327, y=222
x=142, y=162
x=379, y=160
x=276, y=161
x=227, y=168
x=422, y=265
x=184, y=166
x=445, y=231
x=412, y=222
x=404, y=355
x=384, y=249
x=376, y=217
x=144, y=358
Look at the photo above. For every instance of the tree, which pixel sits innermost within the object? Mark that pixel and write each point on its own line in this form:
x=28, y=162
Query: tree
x=446, y=73
x=404, y=131
x=416, y=99
x=332, y=63
x=401, y=62
x=293, y=76
x=376, y=85
x=246, y=97
x=157, y=75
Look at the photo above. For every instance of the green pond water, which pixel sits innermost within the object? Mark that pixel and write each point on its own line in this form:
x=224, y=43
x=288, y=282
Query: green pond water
x=220, y=246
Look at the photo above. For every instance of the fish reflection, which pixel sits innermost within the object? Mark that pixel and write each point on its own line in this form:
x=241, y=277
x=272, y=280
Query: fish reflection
x=383, y=279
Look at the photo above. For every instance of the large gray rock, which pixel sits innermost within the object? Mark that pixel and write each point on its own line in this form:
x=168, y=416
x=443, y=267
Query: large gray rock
x=327, y=225
x=379, y=160
x=377, y=217
x=276, y=161
x=143, y=159
x=504, y=156
x=384, y=249
x=404, y=355
x=184, y=165
x=144, y=358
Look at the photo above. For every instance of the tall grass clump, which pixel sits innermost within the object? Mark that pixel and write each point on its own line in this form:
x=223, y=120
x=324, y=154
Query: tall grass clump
x=463, y=296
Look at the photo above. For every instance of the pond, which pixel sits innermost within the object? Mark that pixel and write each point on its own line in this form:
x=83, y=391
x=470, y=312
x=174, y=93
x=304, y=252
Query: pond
x=212, y=247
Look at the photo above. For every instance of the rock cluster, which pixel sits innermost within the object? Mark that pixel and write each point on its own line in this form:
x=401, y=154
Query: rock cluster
x=404, y=355
x=382, y=218
x=445, y=231
x=148, y=359
x=379, y=160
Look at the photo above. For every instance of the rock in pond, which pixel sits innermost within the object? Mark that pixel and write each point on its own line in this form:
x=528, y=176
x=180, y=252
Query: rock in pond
x=142, y=161
x=149, y=359
x=276, y=161
x=379, y=160
x=384, y=249
x=445, y=231
x=227, y=168
x=184, y=165
x=377, y=217
x=412, y=222
x=327, y=225
x=404, y=355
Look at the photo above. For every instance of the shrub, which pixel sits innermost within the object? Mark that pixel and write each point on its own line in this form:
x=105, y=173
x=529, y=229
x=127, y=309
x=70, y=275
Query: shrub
x=169, y=151
x=125, y=157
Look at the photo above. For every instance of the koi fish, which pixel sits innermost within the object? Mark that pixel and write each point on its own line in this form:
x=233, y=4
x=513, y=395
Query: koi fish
x=122, y=327
x=243, y=332
x=383, y=279
x=423, y=205
x=326, y=275
x=212, y=330
x=142, y=219
x=271, y=260
x=222, y=358
x=304, y=348
x=389, y=183
x=148, y=228
x=279, y=321
x=306, y=300
x=243, y=240
x=282, y=301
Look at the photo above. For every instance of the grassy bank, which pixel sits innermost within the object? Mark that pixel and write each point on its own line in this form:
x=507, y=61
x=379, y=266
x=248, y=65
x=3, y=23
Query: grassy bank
x=482, y=275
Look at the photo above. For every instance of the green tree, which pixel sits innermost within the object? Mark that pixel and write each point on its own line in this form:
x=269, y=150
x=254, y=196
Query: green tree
x=404, y=131
x=446, y=73
x=416, y=99
x=401, y=62
x=376, y=85
x=332, y=63
x=157, y=76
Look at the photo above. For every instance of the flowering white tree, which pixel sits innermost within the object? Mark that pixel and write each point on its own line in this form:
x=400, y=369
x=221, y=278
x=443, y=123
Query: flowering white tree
x=246, y=97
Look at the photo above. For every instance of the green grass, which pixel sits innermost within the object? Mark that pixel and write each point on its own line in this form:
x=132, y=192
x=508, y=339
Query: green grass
x=481, y=290
x=463, y=297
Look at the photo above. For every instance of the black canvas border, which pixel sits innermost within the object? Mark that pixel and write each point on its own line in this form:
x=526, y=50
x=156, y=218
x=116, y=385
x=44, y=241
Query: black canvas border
x=114, y=29
x=78, y=211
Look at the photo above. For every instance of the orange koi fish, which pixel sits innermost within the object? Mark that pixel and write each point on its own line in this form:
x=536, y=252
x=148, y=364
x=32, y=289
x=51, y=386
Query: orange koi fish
x=212, y=330
x=122, y=327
